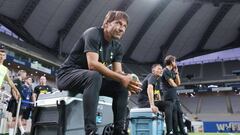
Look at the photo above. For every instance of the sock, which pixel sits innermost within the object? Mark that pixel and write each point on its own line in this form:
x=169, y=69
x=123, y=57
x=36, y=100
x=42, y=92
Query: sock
x=22, y=129
x=10, y=131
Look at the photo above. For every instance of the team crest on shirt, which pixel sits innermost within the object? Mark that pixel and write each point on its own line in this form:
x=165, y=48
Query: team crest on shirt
x=43, y=91
x=111, y=55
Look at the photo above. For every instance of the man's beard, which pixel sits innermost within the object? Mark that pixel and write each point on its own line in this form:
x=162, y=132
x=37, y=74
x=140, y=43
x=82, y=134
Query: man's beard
x=116, y=37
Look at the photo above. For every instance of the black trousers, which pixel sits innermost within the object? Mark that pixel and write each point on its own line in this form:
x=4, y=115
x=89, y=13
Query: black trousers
x=174, y=115
x=163, y=106
x=180, y=117
x=92, y=84
x=177, y=117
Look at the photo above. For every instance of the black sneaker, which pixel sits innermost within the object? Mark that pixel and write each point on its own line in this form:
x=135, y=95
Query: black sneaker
x=121, y=132
x=94, y=132
x=170, y=133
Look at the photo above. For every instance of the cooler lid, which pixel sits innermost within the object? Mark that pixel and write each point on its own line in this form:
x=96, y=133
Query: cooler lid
x=141, y=110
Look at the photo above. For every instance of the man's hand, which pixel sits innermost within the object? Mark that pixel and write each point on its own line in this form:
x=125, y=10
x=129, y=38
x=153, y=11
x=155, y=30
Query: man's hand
x=175, y=70
x=131, y=85
x=154, y=109
x=157, y=97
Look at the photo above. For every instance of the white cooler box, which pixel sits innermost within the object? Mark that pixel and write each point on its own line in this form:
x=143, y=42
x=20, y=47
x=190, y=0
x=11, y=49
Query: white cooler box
x=144, y=122
x=58, y=114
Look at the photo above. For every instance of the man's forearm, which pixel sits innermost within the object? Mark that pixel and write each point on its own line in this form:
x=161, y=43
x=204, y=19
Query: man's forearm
x=13, y=87
x=121, y=73
x=159, y=97
x=177, y=80
x=34, y=97
x=150, y=96
x=172, y=83
x=97, y=66
x=14, y=90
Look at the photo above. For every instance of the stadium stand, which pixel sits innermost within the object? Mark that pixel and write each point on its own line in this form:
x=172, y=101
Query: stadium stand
x=230, y=66
x=140, y=70
x=212, y=106
x=189, y=102
x=212, y=71
x=235, y=100
x=24, y=47
x=194, y=70
x=213, y=103
x=216, y=117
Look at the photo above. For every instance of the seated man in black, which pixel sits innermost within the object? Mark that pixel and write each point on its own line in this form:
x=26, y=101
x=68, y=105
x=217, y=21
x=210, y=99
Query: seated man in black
x=151, y=89
x=86, y=71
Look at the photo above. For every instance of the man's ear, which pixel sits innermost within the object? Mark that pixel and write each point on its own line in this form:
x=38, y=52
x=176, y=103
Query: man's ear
x=5, y=56
x=153, y=70
x=106, y=25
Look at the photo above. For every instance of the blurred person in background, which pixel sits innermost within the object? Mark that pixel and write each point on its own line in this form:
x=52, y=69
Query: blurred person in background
x=26, y=105
x=4, y=76
x=42, y=88
x=13, y=103
x=171, y=80
x=150, y=96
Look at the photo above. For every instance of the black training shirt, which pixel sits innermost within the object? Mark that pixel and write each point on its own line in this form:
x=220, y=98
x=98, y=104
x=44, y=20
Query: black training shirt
x=150, y=79
x=42, y=89
x=18, y=83
x=170, y=91
x=92, y=40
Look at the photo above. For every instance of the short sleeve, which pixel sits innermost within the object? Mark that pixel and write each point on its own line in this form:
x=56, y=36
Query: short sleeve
x=49, y=89
x=152, y=80
x=7, y=73
x=35, y=90
x=167, y=74
x=91, y=40
x=119, y=54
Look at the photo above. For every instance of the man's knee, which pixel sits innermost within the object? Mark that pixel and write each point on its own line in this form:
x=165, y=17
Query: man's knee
x=124, y=91
x=126, y=94
x=170, y=105
x=94, y=76
x=122, y=94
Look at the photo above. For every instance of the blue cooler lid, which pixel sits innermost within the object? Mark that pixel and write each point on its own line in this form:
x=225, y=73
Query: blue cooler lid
x=143, y=112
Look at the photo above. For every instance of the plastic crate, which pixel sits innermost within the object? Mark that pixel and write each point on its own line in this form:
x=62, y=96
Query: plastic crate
x=144, y=122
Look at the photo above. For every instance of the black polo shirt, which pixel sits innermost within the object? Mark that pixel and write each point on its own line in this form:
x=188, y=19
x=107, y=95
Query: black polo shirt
x=42, y=89
x=150, y=79
x=92, y=40
x=170, y=92
x=18, y=83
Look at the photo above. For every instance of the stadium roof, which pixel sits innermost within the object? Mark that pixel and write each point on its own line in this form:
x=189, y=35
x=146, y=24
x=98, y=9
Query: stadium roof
x=184, y=28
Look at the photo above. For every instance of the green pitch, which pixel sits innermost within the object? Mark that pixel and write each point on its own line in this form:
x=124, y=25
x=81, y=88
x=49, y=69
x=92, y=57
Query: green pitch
x=214, y=134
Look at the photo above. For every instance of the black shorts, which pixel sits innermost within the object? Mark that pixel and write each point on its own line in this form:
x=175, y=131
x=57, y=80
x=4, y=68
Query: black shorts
x=12, y=107
x=25, y=113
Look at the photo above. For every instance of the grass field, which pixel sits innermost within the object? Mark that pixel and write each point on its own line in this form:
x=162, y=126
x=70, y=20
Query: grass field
x=214, y=134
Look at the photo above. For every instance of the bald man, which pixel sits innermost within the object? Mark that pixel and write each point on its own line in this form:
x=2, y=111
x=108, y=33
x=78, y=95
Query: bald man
x=42, y=88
